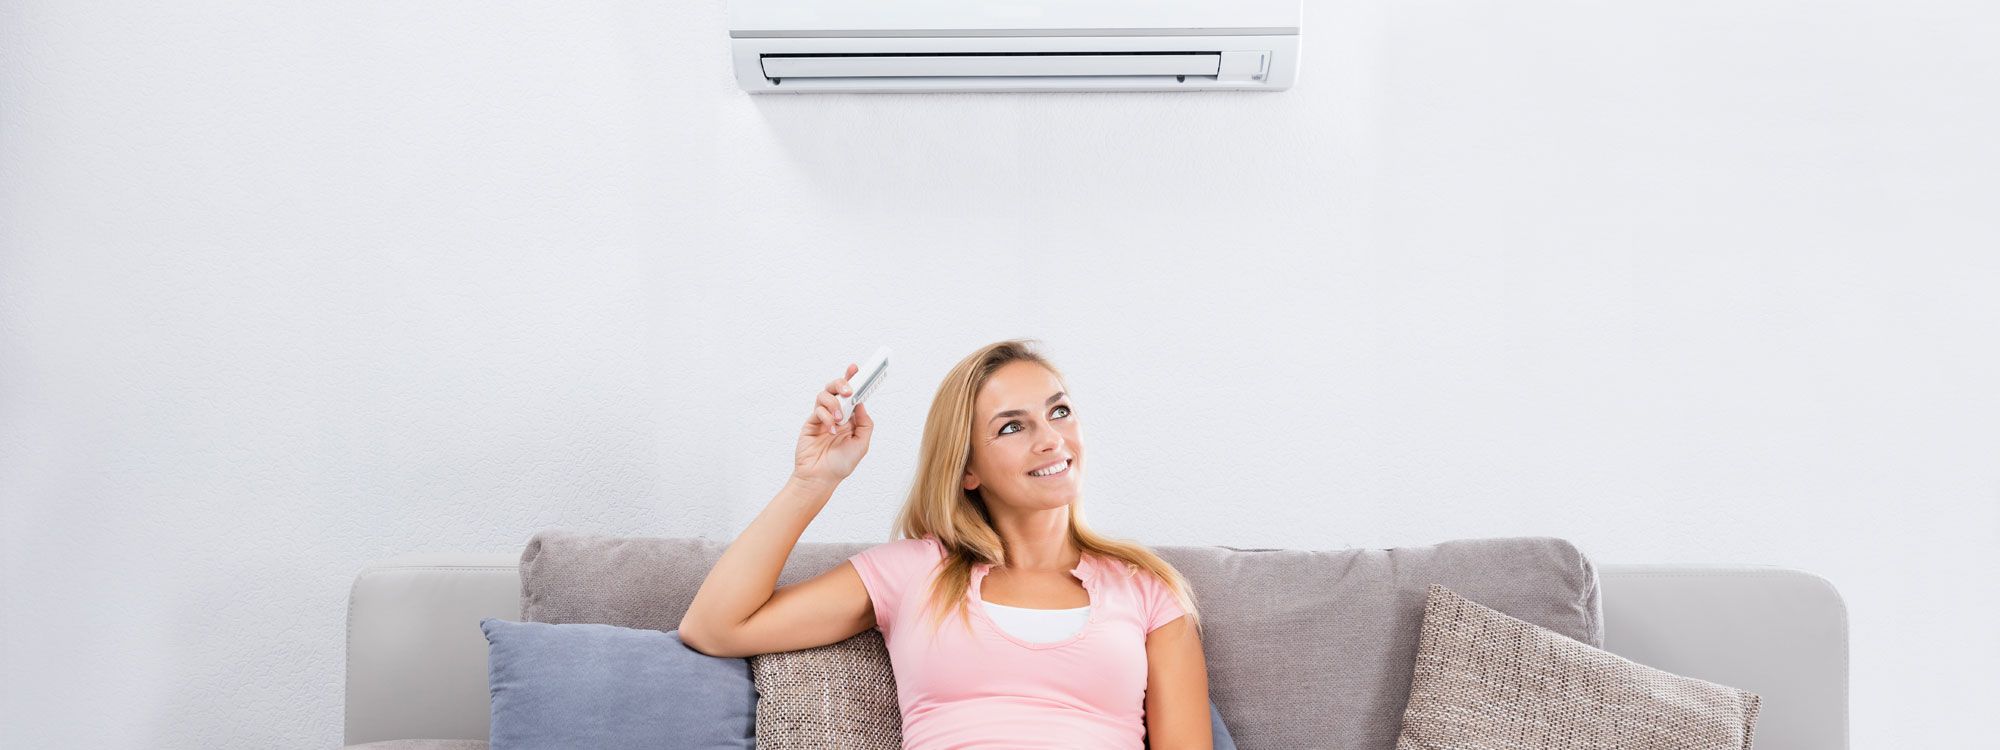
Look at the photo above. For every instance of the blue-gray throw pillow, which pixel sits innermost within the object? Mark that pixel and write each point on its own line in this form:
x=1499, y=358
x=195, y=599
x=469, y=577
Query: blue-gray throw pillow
x=1220, y=732
x=579, y=685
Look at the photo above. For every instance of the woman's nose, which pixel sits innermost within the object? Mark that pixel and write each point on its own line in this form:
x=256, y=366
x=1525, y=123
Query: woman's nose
x=1051, y=442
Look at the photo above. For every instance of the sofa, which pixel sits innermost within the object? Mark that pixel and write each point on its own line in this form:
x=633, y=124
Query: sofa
x=417, y=661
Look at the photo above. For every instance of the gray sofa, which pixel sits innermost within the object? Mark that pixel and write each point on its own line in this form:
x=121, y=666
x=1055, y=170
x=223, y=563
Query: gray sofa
x=417, y=670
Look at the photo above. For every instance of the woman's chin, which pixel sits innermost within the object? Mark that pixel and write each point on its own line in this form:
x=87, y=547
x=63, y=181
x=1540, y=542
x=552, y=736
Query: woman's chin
x=1056, y=497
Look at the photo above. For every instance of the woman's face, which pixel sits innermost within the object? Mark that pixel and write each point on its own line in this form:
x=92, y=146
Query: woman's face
x=1022, y=422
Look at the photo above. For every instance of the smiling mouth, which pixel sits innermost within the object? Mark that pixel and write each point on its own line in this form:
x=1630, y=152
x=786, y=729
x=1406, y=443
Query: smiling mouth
x=1064, y=469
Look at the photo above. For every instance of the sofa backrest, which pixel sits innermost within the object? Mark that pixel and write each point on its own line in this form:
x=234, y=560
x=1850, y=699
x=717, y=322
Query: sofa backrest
x=417, y=661
x=1303, y=648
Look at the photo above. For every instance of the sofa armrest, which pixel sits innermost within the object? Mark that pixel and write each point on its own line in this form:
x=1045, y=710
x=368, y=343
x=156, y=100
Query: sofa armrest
x=416, y=658
x=1776, y=632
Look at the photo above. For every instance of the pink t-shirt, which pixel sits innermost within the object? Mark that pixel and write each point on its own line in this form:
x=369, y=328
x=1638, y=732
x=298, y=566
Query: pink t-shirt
x=992, y=690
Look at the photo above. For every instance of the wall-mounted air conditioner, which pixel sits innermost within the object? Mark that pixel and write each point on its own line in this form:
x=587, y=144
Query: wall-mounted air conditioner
x=813, y=46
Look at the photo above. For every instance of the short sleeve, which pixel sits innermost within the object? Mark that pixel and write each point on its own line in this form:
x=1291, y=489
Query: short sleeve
x=1162, y=606
x=893, y=571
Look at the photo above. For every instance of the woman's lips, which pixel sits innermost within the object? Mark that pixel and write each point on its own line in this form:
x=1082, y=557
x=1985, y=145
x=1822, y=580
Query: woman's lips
x=1071, y=464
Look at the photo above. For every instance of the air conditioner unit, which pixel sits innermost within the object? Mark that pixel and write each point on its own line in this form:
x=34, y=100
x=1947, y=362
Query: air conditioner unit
x=815, y=46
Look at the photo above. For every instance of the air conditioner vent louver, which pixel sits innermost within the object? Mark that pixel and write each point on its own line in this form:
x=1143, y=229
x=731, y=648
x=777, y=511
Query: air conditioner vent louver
x=989, y=64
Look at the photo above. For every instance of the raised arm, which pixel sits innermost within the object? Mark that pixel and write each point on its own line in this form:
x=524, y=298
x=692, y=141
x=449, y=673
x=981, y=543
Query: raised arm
x=736, y=612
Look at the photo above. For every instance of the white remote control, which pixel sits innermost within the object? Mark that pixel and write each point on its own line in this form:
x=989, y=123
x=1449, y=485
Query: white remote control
x=865, y=381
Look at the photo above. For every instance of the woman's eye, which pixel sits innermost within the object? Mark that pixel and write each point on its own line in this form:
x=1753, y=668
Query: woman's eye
x=1063, y=407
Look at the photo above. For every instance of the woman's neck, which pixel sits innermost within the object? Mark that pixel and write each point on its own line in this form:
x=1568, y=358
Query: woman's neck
x=1038, y=542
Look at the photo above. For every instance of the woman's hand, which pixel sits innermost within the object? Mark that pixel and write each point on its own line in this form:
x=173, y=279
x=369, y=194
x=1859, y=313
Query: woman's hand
x=828, y=450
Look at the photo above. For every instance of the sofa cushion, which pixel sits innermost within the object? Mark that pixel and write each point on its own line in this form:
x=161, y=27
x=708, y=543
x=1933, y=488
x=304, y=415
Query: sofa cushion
x=603, y=686
x=1304, y=648
x=1484, y=680
x=838, y=695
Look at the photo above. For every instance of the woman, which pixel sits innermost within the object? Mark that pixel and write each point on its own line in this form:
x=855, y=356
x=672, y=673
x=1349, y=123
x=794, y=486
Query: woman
x=1062, y=638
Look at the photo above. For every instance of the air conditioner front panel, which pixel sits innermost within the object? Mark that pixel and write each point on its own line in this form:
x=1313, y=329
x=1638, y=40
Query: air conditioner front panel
x=777, y=65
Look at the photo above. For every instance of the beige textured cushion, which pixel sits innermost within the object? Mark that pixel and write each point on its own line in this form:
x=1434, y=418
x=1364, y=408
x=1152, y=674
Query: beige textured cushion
x=841, y=695
x=1486, y=681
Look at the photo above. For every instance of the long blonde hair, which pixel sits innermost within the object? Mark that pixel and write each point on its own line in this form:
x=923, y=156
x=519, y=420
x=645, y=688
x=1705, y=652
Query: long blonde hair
x=939, y=505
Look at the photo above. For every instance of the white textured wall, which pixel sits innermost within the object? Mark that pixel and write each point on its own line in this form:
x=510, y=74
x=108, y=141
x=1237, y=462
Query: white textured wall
x=290, y=286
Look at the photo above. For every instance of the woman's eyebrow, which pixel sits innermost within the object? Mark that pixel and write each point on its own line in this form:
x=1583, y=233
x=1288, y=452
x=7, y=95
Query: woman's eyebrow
x=1017, y=412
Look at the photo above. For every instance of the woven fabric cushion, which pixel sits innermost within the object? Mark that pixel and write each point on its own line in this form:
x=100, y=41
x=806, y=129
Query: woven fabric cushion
x=1305, y=649
x=1486, y=681
x=839, y=695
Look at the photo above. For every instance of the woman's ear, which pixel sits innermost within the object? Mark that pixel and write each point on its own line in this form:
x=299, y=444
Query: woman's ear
x=971, y=481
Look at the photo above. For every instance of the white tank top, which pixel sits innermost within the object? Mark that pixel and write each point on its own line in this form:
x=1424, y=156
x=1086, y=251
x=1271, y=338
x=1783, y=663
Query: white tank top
x=1038, y=625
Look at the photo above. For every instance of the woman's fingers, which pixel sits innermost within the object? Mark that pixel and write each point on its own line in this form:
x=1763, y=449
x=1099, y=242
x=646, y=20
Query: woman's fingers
x=826, y=403
x=838, y=386
x=830, y=401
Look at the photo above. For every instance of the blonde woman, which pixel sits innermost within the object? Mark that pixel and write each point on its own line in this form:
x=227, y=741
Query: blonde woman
x=1009, y=622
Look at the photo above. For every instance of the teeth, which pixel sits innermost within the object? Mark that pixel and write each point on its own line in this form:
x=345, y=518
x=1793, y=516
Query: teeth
x=1050, y=470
